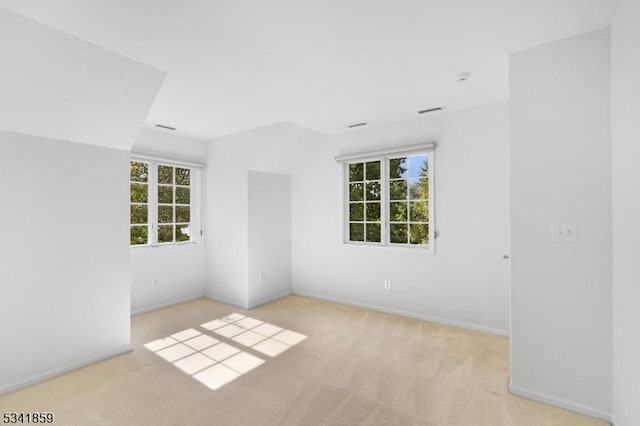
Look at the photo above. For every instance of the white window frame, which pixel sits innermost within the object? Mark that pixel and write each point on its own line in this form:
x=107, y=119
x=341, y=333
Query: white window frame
x=196, y=199
x=384, y=156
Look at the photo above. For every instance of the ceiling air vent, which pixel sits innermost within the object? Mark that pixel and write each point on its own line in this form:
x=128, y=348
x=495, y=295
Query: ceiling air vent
x=162, y=126
x=428, y=110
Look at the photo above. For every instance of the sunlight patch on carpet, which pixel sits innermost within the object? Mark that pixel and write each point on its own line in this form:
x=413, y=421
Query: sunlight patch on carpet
x=214, y=362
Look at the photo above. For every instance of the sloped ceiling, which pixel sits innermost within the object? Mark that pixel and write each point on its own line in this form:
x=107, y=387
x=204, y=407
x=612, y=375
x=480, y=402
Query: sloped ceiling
x=58, y=86
x=238, y=64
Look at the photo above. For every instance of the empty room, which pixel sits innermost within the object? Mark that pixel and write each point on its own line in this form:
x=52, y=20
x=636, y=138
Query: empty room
x=320, y=212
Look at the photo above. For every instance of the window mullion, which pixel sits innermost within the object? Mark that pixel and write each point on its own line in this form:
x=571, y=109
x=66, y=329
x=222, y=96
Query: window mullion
x=384, y=201
x=346, y=203
x=153, y=203
x=430, y=199
x=173, y=191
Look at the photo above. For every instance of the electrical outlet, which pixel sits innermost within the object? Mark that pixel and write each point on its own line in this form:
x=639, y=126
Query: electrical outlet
x=154, y=283
x=261, y=278
x=387, y=285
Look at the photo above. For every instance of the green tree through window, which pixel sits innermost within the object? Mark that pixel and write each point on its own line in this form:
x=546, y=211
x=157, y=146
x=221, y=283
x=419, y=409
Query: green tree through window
x=409, y=200
x=393, y=191
x=139, y=214
x=365, y=202
x=174, y=209
x=160, y=194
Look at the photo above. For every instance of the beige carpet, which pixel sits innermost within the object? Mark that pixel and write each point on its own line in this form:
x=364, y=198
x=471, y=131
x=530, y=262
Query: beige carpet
x=355, y=367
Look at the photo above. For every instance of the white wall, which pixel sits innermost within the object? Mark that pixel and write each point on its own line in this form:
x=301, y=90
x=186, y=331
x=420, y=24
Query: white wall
x=269, y=231
x=472, y=218
x=561, y=173
x=272, y=148
x=626, y=211
x=169, y=274
x=164, y=144
x=166, y=275
x=59, y=86
x=466, y=282
x=64, y=285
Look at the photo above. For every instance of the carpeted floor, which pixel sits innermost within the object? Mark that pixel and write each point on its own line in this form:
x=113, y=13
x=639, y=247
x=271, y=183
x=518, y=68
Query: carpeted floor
x=355, y=367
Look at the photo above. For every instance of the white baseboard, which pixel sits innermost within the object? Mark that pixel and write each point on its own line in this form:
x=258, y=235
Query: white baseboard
x=269, y=299
x=60, y=371
x=145, y=309
x=576, y=407
x=225, y=301
x=459, y=324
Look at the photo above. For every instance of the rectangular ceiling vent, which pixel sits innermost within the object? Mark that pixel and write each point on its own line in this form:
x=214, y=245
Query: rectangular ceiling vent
x=426, y=111
x=162, y=126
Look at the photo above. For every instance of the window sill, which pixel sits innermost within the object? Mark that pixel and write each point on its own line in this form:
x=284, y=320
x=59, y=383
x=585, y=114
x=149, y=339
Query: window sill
x=153, y=246
x=415, y=250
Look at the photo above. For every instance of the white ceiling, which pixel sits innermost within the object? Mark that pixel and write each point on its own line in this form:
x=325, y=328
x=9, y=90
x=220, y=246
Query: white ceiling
x=58, y=86
x=233, y=65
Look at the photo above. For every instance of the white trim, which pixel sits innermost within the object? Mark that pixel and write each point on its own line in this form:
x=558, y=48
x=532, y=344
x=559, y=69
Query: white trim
x=226, y=301
x=432, y=201
x=135, y=156
x=179, y=243
x=269, y=299
x=407, y=314
x=145, y=309
x=384, y=202
x=414, y=249
x=576, y=407
x=401, y=150
x=64, y=370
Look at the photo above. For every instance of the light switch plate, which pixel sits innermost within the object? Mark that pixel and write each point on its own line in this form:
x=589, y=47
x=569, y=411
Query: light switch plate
x=564, y=233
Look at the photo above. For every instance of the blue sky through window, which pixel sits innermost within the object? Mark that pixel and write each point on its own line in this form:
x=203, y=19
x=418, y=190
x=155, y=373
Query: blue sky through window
x=415, y=165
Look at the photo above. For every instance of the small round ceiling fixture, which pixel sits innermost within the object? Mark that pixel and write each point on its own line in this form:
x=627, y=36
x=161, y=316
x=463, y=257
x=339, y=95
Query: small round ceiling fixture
x=464, y=75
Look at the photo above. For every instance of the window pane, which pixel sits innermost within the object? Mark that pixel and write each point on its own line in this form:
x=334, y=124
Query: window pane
x=183, y=214
x=398, y=233
x=419, y=233
x=356, y=212
x=356, y=231
x=356, y=192
x=418, y=211
x=398, y=168
x=373, y=190
x=418, y=188
x=183, y=195
x=373, y=170
x=139, y=193
x=373, y=232
x=183, y=233
x=418, y=166
x=373, y=212
x=138, y=235
x=165, y=233
x=406, y=200
x=165, y=214
x=165, y=194
x=398, y=212
x=356, y=172
x=139, y=214
x=165, y=174
x=398, y=190
x=139, y=171
x=183, y=176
